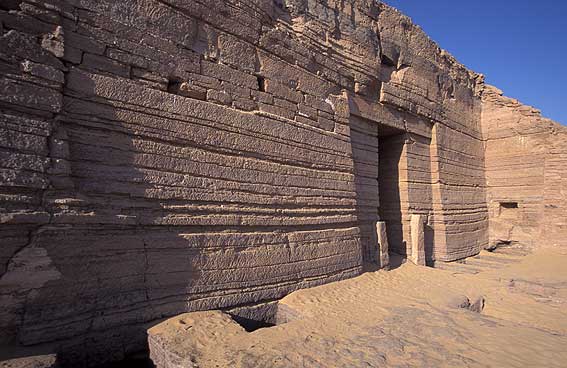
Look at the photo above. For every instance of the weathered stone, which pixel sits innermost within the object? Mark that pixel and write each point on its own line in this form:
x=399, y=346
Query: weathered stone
x=54, y=42
x=219, y=97
x=478, y=305
x=418, y=240
x=188, y=90
x=43, y=71
x=186, y=155
x=526, y=158
x=36, y=361
x=106, y=65
x=459, y=302
x=463, y=302
x=383, y=257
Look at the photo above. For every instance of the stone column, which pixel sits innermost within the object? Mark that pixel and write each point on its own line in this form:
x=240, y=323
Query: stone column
x=418, y=240
x=383, y=256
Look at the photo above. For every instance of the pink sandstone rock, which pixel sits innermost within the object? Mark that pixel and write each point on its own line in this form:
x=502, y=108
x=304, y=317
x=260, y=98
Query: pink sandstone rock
x=161, y=157
x=383, y=244
x=417, y=240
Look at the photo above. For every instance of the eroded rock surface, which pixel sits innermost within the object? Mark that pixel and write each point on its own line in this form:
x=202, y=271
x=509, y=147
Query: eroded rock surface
x=162, y=157
x=526, y=174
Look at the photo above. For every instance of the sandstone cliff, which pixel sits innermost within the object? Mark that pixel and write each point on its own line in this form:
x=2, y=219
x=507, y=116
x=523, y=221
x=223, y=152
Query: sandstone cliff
x=526, y=173
x=164, y=156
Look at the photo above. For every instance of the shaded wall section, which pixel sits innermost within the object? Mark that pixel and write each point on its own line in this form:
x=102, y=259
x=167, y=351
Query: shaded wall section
x=364, y=137
x=138, y=184
x=168, y=156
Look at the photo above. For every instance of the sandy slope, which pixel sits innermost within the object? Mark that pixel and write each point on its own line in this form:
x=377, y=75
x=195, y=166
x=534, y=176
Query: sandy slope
x=407, y=317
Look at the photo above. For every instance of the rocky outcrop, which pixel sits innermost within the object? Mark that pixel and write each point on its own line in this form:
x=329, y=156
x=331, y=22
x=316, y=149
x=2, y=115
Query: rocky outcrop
x=160, y=157
x=526, y=171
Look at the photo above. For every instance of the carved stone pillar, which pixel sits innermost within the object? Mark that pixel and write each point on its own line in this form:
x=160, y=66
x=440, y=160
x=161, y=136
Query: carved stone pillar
x=418, y=240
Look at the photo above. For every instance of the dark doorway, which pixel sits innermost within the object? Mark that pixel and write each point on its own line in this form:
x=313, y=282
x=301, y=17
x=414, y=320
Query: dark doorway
x=377, y=153
x=391, y=186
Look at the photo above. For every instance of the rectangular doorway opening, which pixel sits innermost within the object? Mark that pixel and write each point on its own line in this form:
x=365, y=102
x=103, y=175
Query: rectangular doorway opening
x=378, y=153
x=391, y=186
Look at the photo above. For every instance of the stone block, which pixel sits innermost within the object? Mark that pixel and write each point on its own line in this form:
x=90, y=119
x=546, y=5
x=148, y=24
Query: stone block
x=245, y=104
x=105, y=64
x=283, y=91
x=277, y=111
x=43, y=71
x=326, y=124
x=220, y=97
x=54, y=42
x=383, y=246
x=237, y=53
x=192, y=91
x=418, y=240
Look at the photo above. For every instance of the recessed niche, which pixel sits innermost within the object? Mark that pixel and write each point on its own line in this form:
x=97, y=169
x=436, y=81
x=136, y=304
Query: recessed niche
x=261, y=84
x=249, y=324
x=509, y=205
x=174, y=85
x=387, y=61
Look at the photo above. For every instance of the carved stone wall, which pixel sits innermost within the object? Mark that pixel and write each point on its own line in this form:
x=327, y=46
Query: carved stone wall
x=164, y=156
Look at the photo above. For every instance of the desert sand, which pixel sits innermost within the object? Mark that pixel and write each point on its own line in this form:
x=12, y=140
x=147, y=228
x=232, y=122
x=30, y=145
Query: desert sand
x=409, y=316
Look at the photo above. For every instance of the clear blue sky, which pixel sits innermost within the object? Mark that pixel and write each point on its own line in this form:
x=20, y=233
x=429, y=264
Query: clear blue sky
x=520, y=46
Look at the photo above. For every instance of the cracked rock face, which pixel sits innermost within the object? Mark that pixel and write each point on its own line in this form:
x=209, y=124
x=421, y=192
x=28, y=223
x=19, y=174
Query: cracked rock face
x=162, y=157
x=523, y=150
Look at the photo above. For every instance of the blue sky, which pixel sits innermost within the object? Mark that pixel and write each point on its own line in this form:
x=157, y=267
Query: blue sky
x=520, y=46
